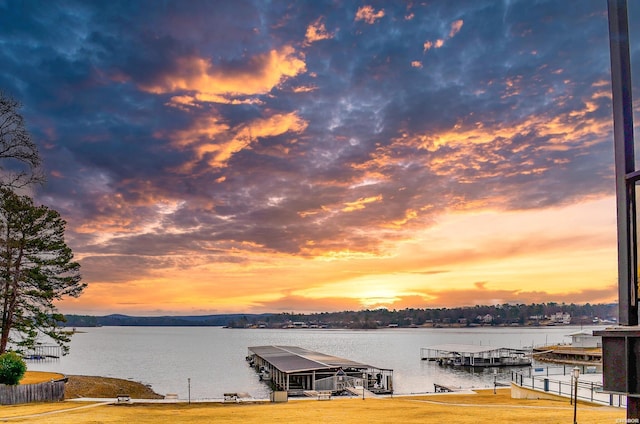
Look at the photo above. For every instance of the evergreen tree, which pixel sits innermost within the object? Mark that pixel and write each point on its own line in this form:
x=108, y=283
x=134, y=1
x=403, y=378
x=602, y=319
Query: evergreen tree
x=36, y=269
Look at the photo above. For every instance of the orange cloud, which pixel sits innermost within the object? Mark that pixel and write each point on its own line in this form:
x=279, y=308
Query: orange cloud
x=203, y=129
x=361, y=203
x=316, y=31
x=408, y=216
x=368, y=14
x=480, y=295
x=416, y=64
x=183, y=102
x=472, y=146
x=456, y=26
x=141, y=211
x=209, y=137
x=484, y=296
x=214, y=83
x=428, y=45
x=534, y=257
x=301, y=304
x=277, y=124
x=304, y=89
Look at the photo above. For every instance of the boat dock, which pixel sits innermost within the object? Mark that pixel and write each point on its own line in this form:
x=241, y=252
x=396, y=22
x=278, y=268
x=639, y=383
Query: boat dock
x=475, y=356
x=569, y=355
x=42, y=353
x=584, y=349
x=299, y=371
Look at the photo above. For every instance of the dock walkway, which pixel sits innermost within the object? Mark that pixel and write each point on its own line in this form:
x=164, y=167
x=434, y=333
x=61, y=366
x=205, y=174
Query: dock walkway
x=357, y=391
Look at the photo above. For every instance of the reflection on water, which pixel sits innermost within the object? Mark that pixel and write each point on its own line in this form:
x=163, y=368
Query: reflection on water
x=214, y=358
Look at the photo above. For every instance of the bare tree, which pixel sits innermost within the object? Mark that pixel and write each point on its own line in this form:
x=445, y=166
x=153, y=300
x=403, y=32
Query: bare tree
x=19, y=157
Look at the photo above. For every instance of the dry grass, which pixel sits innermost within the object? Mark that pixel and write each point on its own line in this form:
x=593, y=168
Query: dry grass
x=484, y=407
x=33, y=377
x=104, y=387
x=98, y=387
x=486, y=397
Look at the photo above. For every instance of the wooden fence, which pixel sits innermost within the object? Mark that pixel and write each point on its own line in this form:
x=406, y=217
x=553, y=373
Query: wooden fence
x=52, y=391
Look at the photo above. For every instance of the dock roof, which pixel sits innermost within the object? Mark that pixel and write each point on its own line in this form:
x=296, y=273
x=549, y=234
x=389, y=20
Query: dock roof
x=467, y=348
x=292, y=359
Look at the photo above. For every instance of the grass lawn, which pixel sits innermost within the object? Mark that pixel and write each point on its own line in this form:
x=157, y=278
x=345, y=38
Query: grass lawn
x=33, y=377
x=483, y=407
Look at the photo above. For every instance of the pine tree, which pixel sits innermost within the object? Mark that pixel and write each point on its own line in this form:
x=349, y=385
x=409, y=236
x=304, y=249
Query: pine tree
x=36, y=269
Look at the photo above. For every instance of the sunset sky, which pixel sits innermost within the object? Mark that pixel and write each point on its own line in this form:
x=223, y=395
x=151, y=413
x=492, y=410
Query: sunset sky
x=308, y=156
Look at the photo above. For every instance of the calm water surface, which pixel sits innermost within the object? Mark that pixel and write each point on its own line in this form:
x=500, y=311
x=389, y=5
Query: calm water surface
x=213, y=358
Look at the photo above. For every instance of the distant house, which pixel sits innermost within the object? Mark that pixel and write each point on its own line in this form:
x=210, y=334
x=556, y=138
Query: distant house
x=484, y=319
x=585, y=339
x=560, y=318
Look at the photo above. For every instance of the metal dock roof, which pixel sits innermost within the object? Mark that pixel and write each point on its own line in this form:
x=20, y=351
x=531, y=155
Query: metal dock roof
x=464, y=348
x=290, y=359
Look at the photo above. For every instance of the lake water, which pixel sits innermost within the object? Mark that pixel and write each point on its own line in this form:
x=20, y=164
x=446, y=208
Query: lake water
x=213, y=358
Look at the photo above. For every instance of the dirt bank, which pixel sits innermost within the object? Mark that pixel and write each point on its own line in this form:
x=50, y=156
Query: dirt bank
x=105, y=387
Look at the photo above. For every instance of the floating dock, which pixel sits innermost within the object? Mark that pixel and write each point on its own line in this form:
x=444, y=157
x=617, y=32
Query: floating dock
x=475, y=356
x=299, y=371
x=569, y=355
x=42, y=353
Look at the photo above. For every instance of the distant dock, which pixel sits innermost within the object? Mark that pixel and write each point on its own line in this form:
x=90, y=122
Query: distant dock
x=301, y=372
x=569, y=355
x=475, y=356
x=42, y=353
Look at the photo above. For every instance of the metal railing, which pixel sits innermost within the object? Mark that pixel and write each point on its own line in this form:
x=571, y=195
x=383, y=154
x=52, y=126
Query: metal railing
x=587, y=390
x=336, y=383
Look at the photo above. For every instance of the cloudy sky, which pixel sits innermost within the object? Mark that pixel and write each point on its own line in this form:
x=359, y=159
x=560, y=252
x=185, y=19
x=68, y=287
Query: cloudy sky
x=300, y=156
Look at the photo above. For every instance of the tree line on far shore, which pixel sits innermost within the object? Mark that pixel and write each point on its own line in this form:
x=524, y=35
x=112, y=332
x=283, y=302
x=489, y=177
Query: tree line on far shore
x=492, y=315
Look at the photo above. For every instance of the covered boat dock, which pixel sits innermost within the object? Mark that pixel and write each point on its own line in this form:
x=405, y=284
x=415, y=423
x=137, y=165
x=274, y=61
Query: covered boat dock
x=300, y=372
x=475, y=356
